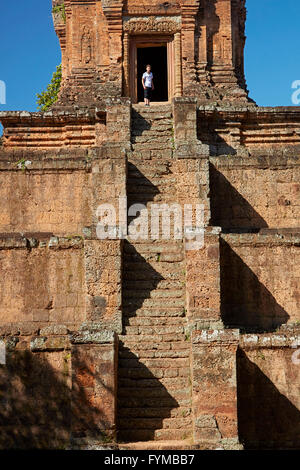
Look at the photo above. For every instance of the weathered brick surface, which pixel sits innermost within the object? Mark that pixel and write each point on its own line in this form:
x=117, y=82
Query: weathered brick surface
x=36, y=397
x=58, y=392
x=214, y=387
x=203, y=279
x=255, y=192
x=268, y=392
x=103, y=283
x=42, y=284
x=260, y=280
x=45, y=201
x=93, y=393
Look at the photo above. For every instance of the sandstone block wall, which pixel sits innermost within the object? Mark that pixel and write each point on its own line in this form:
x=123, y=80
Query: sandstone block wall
x=214, y=385
x=43, y=280
x=268, y=391
x=261, y=191
x=63, y=288
x=51, y=394
x=260, y=280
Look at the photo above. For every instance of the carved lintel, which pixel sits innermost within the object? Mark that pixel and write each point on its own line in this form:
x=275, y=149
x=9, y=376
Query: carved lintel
x=153, y=24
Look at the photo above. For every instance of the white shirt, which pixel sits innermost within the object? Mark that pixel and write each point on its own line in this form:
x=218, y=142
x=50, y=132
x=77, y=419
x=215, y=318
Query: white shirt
x=148, y=77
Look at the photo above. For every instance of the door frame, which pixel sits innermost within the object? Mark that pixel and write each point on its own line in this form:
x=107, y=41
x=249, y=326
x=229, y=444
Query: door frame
x=151, y=41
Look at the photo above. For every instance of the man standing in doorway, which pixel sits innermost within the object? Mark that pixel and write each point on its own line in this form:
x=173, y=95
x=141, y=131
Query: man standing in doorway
x=148, y=85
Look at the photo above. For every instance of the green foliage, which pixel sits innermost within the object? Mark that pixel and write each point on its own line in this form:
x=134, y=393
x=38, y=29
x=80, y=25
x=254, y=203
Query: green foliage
x=60, y=9
x=21, y=164
x=48, y=97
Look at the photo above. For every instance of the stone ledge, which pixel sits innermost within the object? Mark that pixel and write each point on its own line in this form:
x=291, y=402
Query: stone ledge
x=259, y=159
x=249, y=111
x=62, y=158
x=52, y=337
x=31, y=328
x=81, y=115
x=93, y=337
x=47, y=240
x=191, y=150
x=31, y=165
x=204, y=337
x=54, y=343
x=265, y=237
x=270, y=340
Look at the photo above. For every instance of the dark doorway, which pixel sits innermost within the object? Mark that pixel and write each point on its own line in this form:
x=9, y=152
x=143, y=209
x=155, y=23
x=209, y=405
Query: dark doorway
x=157, y=58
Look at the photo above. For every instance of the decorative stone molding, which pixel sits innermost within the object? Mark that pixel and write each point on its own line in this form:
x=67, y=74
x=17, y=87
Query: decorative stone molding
x=153, y=24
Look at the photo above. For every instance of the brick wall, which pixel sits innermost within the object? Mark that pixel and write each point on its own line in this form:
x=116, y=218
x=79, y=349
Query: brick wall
x=255, y=192
x=42, y=283
x=268, y=391
x=54, y=280
x=203, y=279
x=45, y=201
x=58, y=389
x=260, y=279
x=214, y=385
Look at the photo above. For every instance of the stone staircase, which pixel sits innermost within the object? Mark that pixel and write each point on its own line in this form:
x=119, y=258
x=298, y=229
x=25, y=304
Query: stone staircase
x=154, y=388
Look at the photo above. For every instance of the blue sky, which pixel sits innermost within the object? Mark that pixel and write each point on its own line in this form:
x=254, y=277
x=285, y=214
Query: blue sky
x=30, y=51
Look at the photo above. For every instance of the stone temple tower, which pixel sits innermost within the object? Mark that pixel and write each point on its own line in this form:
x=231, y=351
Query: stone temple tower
x=195, y=47
x=149, y=257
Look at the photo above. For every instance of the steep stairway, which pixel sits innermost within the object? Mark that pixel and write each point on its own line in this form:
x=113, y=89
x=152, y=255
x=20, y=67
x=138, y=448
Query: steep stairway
x=154, y=388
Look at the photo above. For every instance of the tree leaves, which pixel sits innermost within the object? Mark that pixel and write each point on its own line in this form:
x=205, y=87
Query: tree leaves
x=48, y=97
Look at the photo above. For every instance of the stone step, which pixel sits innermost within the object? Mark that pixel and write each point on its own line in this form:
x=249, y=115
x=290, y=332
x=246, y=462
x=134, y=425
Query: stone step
x=158, y=412
x=135, y=341
x=158, y=269
x=150, y=345
x=150, y=321
x=151, y=173
x=140, y=146
x=154, y=423
x=166, y=401
x=160, y=257
x=145, y=247
x=148, y=124
x=153, y=330
x=129, y=312
x=127, y=353
x=140, y=170
x=166, y=385
x=135, y=362
x=151, y=270
x=152, y=189
x=150, y=284
x=154, y=108
x=135, y=197
x=160, y=445
x=151, y=119
x=133, y=389
x=145, y=156
x=153, y=294
x=153, y=303
x=141, y=180
x=156, y=182
x=164, y=130
x=146, y=121
x=129, y=435
x=148, y=139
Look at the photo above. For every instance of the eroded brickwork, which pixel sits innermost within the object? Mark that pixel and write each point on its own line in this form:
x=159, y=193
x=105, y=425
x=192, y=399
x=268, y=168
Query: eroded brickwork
x=146, y=343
